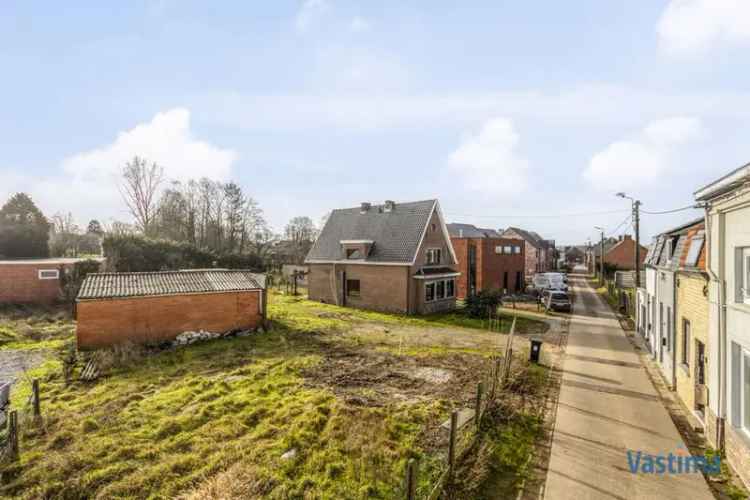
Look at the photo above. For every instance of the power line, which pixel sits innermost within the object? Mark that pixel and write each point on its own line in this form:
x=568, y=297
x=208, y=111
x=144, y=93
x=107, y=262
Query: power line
x=669, y=211
x=627, y=219
x=539, y=216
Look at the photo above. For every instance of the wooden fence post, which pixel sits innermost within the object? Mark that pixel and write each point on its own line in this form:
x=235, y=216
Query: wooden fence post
x=495, y=377
x=13, y=434
x=478, y=405
x=412, y=473
x=35, y=398
x=452, y=445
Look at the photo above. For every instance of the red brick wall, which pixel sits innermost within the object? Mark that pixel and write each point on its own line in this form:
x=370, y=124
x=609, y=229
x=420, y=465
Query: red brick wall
x=623, y=254
x=102, y=323
x=490, y=265
x=20, y=283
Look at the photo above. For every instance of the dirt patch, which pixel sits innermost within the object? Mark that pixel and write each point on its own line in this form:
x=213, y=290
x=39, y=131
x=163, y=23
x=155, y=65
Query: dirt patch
x=366, y=377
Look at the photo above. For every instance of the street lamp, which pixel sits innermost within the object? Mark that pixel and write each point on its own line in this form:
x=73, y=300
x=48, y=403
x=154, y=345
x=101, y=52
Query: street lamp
x=637, y=225
x=601, y=255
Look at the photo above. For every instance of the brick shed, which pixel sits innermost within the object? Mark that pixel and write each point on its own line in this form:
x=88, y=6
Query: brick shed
x=113, y=308
x=32, y=280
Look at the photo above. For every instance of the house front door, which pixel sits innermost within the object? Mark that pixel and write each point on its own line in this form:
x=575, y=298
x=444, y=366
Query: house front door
x=700, y=377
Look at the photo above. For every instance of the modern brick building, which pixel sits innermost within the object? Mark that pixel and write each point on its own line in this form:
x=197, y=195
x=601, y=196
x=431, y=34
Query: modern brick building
x=487, y=262
x=113, y=308
x=539, y=253
x=36, y=281
x=393, y=257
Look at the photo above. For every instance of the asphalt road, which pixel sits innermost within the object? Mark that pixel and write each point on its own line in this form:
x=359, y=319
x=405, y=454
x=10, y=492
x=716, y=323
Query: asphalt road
x=608, y=406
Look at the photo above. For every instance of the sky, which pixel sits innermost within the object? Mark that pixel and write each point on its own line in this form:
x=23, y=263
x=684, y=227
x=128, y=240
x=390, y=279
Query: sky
x=530, y=114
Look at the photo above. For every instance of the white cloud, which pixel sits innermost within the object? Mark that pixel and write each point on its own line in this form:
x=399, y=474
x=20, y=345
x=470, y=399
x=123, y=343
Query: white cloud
x=694, y=26
x=359, y=25
x=309, y=13
x=640, y=162
x=87, y=184
x=488, y=161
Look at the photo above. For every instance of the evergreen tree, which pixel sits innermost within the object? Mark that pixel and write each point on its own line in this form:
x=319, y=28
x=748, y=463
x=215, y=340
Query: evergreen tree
x=24, y=231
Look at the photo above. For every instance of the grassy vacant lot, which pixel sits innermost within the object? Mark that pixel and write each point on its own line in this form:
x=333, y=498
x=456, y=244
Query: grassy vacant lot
x=330, y=403
x=34, y=327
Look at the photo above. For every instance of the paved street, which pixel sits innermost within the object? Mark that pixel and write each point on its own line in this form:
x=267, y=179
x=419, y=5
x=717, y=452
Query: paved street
x=608, y=406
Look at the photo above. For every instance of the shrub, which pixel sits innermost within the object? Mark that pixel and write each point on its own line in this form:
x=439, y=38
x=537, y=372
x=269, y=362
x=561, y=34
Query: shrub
x=478, y=306
x=136, y=253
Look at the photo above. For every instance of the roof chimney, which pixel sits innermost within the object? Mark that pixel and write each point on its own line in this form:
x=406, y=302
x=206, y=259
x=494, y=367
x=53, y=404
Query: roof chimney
x=628, y=237
x=390, y=205
x=460, y=233
x=364, y=207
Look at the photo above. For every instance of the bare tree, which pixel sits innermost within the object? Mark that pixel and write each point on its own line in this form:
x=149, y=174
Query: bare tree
x=139, y=190
x=301, y=233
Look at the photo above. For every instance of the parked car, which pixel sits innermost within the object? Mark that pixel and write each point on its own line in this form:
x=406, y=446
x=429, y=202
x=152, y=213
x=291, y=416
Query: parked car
x=558, y=301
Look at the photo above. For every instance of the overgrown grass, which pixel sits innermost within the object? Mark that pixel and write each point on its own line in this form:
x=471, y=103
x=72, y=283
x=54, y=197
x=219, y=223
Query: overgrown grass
x=35, y=327
x=168, y=423
x=215, y=419
x=307, y=315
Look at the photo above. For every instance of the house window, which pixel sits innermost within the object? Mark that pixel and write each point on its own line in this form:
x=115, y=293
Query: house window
x=434, y=227
x=499, y=249
x=352, y=253
x=433, y=256
x=450, y=288
x=429, y=292
x=440, y=290
x=516, y=249
x=507, y=249
x=49, y=274
x=696, y=245
x=740, y=387
x=685, y=342
x=743, y=275
x=352, y=288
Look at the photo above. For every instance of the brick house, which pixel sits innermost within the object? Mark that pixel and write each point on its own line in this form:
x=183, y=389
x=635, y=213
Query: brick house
x=394, y=257
x=622, y=253
x=727, y=220
x=112, y=308
x=691, y=327
x=33, y=280
x=536, y=250
x=486, y=262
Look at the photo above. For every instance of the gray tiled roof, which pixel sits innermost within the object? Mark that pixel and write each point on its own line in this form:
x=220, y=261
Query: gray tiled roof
x=457, y=230
x=525, y=235
x=119, y=285
x=396, y=234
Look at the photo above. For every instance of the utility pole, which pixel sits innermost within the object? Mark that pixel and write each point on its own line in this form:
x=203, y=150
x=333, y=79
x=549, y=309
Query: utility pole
x=601, y=260
x=637, y=226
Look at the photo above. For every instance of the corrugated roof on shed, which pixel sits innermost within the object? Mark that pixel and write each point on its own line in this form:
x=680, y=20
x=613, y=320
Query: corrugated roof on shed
x=122, y=285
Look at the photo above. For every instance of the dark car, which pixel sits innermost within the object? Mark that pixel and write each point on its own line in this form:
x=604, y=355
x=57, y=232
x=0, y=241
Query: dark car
x=558, y=301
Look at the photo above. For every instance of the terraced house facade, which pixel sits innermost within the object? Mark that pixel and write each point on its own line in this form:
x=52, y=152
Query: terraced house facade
x=727, y=202
x=394, y=257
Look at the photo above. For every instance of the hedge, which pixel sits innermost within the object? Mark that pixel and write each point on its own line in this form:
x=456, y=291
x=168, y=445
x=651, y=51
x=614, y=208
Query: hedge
x=135, y=253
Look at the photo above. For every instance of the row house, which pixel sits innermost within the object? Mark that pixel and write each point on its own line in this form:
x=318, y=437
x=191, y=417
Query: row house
x=539, y=253
x=394, y=257
x=486, y=260
x=727, y=219
x=618, y=252
x=694, y=312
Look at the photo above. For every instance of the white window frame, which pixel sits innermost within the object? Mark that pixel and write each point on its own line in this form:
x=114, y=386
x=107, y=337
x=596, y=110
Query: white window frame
x=435, y=296
x=55, y=271
x=517, y=249
x=687, y=334
x=453, y=288
x=740, y=398
x=434, y=291
x=744, y=278
x=430, y=256
x=499, y=249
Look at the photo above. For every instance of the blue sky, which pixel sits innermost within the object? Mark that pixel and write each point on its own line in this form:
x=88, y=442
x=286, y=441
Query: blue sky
x=501, y=110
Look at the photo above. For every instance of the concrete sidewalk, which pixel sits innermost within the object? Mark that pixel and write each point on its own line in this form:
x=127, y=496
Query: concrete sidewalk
x=607, y=406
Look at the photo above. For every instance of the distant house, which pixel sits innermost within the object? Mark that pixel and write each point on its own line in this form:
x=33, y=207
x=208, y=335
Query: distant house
x=393, y=257
x=486, y=260
x=622, y=253
x=538, y=254
x=36, y=281
x=113, y=308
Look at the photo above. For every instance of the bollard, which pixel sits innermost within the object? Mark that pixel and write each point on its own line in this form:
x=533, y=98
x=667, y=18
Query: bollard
x=536, y=351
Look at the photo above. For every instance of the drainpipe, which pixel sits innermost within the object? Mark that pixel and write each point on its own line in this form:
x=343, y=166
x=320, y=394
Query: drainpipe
x=721, y=317
x=674, y=331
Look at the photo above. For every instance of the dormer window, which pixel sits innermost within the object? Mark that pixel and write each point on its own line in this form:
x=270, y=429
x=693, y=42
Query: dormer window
x=433, y=256
x=356, y=249
x=353, y=253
